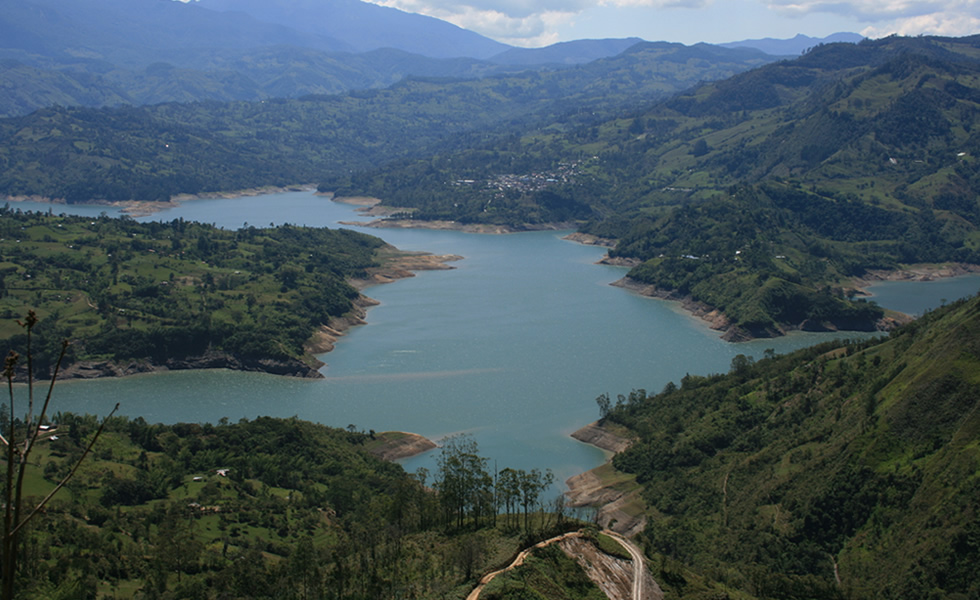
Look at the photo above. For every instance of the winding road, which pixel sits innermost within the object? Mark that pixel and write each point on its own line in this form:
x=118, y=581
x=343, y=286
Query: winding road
x=638, y=562
x=518, y=561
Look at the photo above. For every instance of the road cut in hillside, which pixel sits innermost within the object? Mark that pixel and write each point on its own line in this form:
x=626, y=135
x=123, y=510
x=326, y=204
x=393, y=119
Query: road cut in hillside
x=617, y=578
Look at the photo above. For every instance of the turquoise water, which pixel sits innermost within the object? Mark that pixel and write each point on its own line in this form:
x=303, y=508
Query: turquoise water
x=512, y=347
x=914, y=298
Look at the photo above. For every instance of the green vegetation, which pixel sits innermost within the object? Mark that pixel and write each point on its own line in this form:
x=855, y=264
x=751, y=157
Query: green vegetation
x=155, y=152
x=547, y=574
x=269, y=508
x=762, y=194
x=169, y=292
x=843, y=470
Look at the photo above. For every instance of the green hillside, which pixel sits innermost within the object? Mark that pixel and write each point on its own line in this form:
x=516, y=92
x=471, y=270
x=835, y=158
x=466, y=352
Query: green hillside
x=168, y=293
x=155, y=152
x=839, y=471
x=762, y=194
x=275, y=508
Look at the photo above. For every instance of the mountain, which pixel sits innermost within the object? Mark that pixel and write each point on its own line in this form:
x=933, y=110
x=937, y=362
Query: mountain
x=155, y=152
x=93, y=53
x=842, y=470
x=794, y=46
x=134, y=33
x=364, y=26
x=565, y=53
x=761, y=196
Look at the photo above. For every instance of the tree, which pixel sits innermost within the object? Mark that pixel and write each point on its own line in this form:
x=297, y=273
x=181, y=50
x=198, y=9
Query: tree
x=18, y=455
x=509, y=491
x=531, y=485
x=462, y=480
x=604, y=406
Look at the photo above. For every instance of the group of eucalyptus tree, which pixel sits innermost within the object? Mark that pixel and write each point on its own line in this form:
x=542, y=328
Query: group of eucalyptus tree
x=470, y=494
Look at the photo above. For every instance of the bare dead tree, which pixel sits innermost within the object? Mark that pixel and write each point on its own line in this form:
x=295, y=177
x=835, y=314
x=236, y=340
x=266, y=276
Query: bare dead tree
x=18, y=452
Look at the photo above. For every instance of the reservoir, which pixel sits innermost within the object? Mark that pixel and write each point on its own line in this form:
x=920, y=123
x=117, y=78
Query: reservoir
x=512, y=346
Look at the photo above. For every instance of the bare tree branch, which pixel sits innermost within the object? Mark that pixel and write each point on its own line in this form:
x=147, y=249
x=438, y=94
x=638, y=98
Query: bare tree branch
x=62, y=483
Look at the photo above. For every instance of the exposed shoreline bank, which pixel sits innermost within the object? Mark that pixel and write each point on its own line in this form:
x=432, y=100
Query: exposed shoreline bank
x=921, y=272
x=718, y=321
x=393, y=446
x=616, y=496
x=397, y=265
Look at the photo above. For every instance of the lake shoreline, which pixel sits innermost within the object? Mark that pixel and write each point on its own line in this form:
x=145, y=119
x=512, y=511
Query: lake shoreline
x=145, y=208
x=398, y=265
x=616, y=496
x=919, y=272
x=718, y=321
x=393, y=446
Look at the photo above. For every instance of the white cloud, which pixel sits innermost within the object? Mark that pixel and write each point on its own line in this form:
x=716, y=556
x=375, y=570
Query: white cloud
x=878, y=10
x=953, y=25
x=510, y=21
x=902, y=17
x=536, y=22
x=531, y=23
x=657, y=3
x=512, y=9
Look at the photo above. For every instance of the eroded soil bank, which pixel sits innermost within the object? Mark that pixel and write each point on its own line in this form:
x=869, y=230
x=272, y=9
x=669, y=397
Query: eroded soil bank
x=615, y=495
x=396, y=445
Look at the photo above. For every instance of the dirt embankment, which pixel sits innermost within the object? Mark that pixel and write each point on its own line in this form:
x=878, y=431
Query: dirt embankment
x=915, y=273
x=712, y=316
x=601, y=437
x=614, y=576
x=211, y=360
x=616, y=496
x=400, y=265
x=396, y=445
x=587, y=239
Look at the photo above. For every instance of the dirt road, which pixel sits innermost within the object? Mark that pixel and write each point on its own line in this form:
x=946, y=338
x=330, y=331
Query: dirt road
x=639, y=566
x=475, y=594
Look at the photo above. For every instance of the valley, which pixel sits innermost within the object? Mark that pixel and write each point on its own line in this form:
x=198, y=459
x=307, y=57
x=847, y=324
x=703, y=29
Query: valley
x=201, y=194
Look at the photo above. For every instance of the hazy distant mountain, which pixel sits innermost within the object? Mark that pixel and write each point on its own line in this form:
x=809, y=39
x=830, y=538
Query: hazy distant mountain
x=364, y=26
x=793, y=46
x=111, y=52
x=134, y=33
x=566, y=53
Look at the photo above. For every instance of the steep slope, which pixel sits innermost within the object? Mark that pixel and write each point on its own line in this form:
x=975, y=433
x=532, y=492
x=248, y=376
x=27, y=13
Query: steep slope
x=847, y=470
x=762, y=194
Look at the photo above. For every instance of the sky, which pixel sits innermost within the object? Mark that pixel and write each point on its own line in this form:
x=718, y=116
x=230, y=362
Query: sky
x=536, y=23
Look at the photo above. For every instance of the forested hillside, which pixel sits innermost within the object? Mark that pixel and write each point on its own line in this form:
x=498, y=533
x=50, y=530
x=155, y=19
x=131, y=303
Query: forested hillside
x=277, y=508
x=175, y=293
x=154, y=152
x=842, y=470
x=761, y=195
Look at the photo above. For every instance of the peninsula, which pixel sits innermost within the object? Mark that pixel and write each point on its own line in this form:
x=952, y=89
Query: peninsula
x=139, y=297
